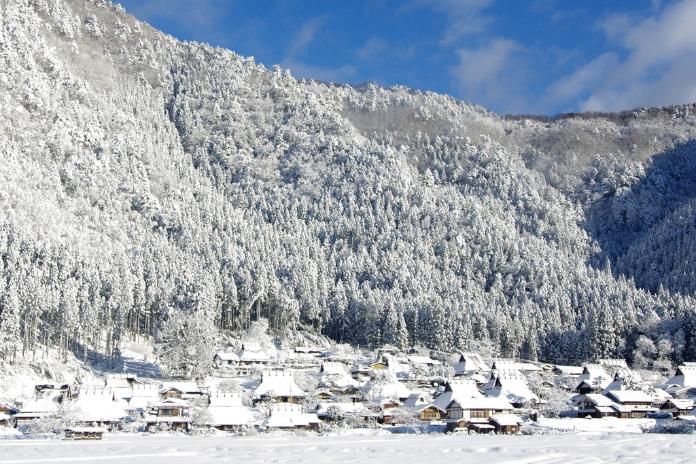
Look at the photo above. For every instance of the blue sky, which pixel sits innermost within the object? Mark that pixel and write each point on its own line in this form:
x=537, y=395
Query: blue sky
x=511, y=56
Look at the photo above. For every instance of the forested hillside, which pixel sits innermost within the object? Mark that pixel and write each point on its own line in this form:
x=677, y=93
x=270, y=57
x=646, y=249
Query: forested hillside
x=146, y=182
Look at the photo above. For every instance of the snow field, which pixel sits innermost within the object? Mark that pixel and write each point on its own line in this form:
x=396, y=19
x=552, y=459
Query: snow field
x=566, y=449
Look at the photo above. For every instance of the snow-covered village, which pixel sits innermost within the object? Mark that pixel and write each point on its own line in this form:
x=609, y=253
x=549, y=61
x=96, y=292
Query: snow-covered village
x=288, y=231
x=309, y=385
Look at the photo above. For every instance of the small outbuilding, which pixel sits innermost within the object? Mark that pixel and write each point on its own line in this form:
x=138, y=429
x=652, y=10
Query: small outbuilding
x=84, y=433
x=506, y=423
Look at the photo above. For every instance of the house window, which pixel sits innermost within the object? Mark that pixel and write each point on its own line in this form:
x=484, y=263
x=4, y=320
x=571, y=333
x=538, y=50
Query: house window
x=479, y=414
x=455, y=413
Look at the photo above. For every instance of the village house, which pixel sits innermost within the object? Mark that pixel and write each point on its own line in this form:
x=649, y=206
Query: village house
x=390, y=410
x=5, y=419
x=169, y=414
x=568, y=371
x=594, y=405
x=357, y=413
x=678, y=406
x=84, y=433
x=96, y=407
x=332, y=375
x=287, y=416
x=361, y=373
x=323, y=394
x=464, y=407
x=252, y=355
x=181, y=390
x=225, y=359
x=513, y=365
x=511, y=386
x=142, y=398
x=682, y=381
x=422, y=408
x=228, y=413
x=123, y=380
x=311, y=350
x=469, y=364
x=278, y=386
x=422, y=361
x=632, y=404
x=384, y=385
x=57, y=393
x=34, y=410
x=594, y=378
x=506, y=423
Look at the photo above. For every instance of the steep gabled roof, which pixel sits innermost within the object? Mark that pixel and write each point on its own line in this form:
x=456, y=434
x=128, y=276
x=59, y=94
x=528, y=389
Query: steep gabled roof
x=685, y=376
x=629, y=396
x=278, y=383
x=470, y=363
x=459, y=390
x=285, y=415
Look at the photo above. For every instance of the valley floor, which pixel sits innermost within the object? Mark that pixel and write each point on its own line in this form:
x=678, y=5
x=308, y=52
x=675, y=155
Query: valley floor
x=404, y=449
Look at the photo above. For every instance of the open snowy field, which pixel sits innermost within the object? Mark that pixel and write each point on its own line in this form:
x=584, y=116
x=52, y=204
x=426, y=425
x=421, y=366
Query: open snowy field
x=566, y=449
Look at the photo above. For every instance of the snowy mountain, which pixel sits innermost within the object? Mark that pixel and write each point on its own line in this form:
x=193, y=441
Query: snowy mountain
x=171, y=189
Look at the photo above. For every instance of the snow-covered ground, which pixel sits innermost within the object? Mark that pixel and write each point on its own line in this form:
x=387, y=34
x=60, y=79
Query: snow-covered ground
x=566, y=449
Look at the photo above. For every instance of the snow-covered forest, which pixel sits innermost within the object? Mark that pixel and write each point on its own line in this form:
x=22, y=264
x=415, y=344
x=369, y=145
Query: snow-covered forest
x=177, y=191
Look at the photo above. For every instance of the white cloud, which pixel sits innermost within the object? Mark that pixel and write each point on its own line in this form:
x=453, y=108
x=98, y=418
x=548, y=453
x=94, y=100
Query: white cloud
x=303, y=39
x=306, y=35
x=194, y=18
x=493, y=75
x=654, y=65
x=372, y=48
x=464, y=17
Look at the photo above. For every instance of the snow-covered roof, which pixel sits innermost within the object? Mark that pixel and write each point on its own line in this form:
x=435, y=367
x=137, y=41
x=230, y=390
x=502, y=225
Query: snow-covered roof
x=469, y=363
x=505, y=419
x=143, y=396
x=513, y=365
x=681, y=403
x=594, y=375
x=44, y=405
x=171, y=403
x=423, y=360
x=569, y=370
x=512, y=387
x=384, y=385
x=624, y=379
x=308, y=349
x=334, y=375
x=415, y=400
x=685, y=376
x=184, y=387
x=277, y=383
x=4, y=417
x=485, y=402
x=227, y=356
x=357, y=409
x=286, y=415
x=233, y=399
x=123, y=380
x=630, y=396
x=396, y=367
x=596, y=399
x=251, y=355
x=458, y=390
x=230, y=415
x=613, y=363
x=167, y=419
x=99, y=408
x=86, y=429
